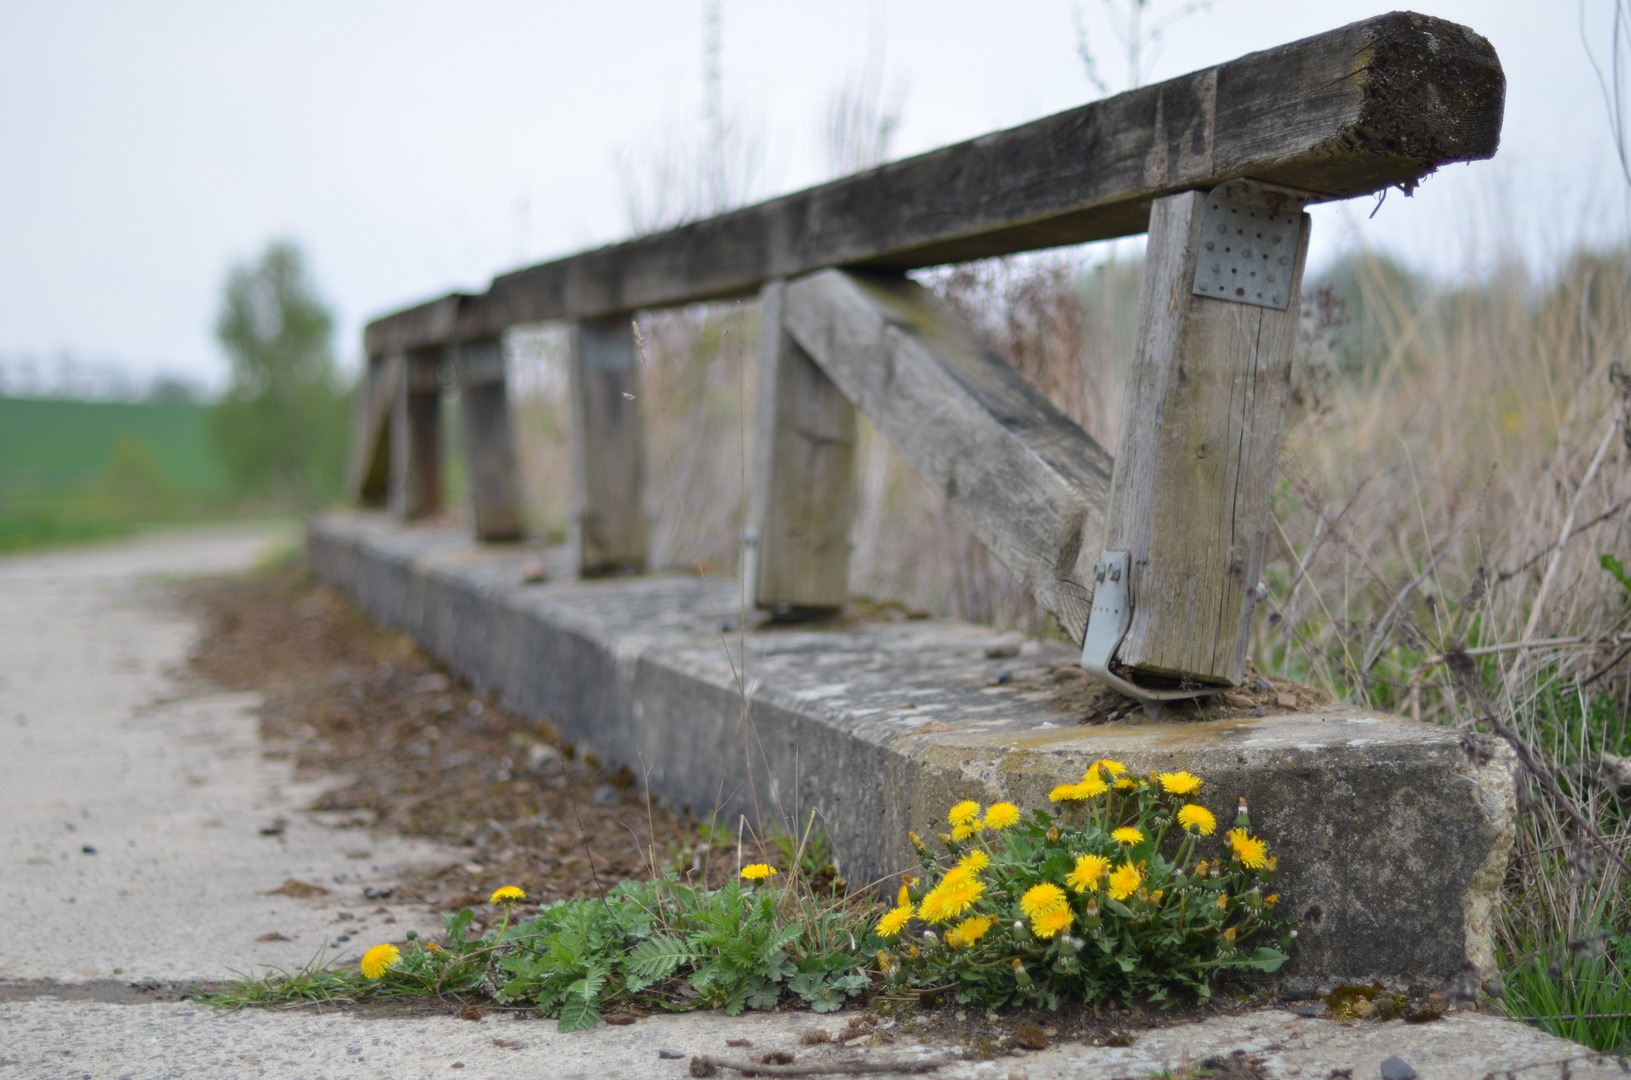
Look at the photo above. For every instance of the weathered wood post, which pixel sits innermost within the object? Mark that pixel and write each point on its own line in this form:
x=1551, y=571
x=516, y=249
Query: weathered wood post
x=416, y=437
x=1200, y=432
x=802, y=495
x=489, y=441
x=368, y=476
x=609, y=526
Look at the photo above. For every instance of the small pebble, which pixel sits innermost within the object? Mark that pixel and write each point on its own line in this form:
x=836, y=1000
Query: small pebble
x=342, y=938
x=1397, y=1068
x=670, y=1055
x=1007, y=645
x=89, y=849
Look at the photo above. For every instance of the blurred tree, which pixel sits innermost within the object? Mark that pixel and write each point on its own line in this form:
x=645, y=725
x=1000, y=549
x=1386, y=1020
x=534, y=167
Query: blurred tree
x=281, y=426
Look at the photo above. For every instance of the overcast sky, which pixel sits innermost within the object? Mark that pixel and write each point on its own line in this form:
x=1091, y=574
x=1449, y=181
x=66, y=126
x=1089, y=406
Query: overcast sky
x=413, y=148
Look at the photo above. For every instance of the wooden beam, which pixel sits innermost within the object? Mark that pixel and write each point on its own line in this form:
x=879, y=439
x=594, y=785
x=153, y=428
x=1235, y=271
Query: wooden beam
x=1200, y=431
x=1029, y=482
x=368, y=475
x=489, y=441
x=416, y=438
x=803, y=491
x=608, y=448
x=1378, y=103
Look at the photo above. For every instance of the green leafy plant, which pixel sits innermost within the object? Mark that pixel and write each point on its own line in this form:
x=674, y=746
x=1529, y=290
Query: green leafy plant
x=1107, y=899
x=669, y=945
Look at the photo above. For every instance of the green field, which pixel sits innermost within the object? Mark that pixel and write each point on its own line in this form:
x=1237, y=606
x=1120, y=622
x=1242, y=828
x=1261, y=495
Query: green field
x=74, y=470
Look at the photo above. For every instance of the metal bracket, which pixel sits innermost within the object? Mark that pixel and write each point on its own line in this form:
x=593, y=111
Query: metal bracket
x=1107, y=624
x=1249, y=234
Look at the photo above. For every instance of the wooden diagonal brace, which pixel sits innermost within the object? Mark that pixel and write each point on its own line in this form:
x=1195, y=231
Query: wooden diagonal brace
x=1029, y=482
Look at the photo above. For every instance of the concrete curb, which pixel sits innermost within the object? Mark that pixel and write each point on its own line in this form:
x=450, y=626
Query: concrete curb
x=1393, y=836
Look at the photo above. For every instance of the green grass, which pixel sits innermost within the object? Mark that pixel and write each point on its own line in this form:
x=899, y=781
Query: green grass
x=78, y=470
x=1580, y=993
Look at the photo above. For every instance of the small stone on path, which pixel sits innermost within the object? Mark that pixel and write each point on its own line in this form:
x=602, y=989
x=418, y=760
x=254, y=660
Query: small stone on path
x=1397, y=1068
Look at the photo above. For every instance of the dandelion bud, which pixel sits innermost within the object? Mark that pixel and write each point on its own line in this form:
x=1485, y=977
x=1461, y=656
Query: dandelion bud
x=1272, y=863
x=1020, y=973
x=413, y=935
x=1200, y=869
x=1213, y=873
x=1019, y=926
x=1292, y=934
x=1053, y=835
x=929, y=938
x=917, y=841
x=912, y=951
x=884, y=963
x=1243, y=820
x=1092, y=909
x=1155, y=897
x=1223, y=901
x=1229, y=936
x=945, y=838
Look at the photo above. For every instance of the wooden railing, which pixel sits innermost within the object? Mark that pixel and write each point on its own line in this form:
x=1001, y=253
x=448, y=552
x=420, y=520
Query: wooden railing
x=1150, y=559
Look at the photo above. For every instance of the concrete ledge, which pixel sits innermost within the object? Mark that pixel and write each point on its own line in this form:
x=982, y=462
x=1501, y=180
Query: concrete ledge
x=1392, y=836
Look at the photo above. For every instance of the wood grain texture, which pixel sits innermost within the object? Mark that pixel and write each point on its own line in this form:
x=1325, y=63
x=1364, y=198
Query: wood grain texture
x=1194, y=472
x=489, y=441
x=416, y=438
x=368, y=474
x=1029, y=482
x=803, y=493
x=1378, y=103
x=608, y=437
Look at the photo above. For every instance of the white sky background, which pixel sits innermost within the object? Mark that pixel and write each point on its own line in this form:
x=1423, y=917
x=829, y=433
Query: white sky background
x=417, y=147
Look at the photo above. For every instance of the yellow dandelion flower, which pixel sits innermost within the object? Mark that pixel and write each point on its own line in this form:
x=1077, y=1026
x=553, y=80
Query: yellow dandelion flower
x=1126, y=783
x=1200, y=869
x=964, y=813
x=951, y=898
x=1089, y=869
x=1039, y=898
x=885, y=965
x=1053, y=835
x=1155, y=897
x=1067, y=793
x=1273, y=864
x=963, y=832
x=1092, y=785
x=509, y=894
x=894, y=921
x=1127, y=835
x=1271, y=899
x=758, y=871
x=378, y=960
x=1049, y=923
x=1003, y=815
x=975, y=861
x=1252, y=852
x=1197, y=818
x=1179, y=783
x=969, y=931
x=904, y=897
x=1124, y=881
x=433, y=948
x=1114, y=768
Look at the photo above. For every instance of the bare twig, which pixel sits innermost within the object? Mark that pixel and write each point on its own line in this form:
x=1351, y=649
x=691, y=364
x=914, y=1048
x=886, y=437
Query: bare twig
x=1557, y=554
x=1466, y=673
x=849, y=1067
x=1373, y=648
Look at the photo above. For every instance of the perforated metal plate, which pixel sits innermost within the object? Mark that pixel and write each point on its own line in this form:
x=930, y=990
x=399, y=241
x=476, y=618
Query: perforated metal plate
x=1249, y=235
